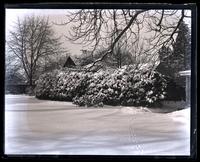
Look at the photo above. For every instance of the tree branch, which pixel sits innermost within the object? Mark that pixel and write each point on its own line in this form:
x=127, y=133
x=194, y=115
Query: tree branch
x=110, y=49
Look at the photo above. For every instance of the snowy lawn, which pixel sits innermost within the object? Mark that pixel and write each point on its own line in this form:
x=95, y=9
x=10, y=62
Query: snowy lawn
x=35, y=126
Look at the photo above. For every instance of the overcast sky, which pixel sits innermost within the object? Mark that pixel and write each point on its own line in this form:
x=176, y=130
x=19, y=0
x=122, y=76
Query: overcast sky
x=55, y=15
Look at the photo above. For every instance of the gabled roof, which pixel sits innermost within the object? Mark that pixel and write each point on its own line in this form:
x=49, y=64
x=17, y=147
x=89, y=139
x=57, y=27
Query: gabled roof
x=69, y=63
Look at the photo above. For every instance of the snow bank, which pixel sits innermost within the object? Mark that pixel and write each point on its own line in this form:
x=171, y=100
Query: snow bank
x=182, y=116
x=134, y=110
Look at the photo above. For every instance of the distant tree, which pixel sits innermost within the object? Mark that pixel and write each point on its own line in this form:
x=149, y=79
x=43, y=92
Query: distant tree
x=181, y=56
x=85, y=58
x=164, y=54
x=12, y=69
x=165, y=67
x=13, y=76
x=53, y=62
x=180, y=59
x=121, y=55
x=31, y=41
x=120, y=58
x=177, y=59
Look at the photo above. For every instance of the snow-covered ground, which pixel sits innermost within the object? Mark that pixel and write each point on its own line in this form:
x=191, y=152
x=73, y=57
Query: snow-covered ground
x=35, y=126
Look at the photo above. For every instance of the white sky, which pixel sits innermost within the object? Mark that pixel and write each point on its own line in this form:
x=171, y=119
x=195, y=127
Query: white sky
x=55, y=15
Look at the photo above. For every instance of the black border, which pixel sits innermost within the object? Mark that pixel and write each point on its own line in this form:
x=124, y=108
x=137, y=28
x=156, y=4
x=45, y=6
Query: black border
x=90, y=5
x=97, y=5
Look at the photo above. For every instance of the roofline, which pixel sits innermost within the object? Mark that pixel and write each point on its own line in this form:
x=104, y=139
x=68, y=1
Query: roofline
x=185, y=73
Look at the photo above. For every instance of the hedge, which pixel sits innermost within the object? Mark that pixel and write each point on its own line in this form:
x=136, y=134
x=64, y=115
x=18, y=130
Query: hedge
x=125, y=86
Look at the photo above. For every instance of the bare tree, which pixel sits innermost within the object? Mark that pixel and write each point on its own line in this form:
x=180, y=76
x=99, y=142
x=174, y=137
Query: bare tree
x=12, y=70
x=103, y=28
x=32, y=41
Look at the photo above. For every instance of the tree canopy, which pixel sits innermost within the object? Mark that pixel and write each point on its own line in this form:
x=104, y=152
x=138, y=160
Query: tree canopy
x=144, y=30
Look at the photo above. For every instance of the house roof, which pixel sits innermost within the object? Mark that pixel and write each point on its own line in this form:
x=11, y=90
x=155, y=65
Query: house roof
x=69, y=62
x=185, y=73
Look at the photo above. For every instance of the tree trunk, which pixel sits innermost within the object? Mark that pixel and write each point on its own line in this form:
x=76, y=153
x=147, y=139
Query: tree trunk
x=31, y=80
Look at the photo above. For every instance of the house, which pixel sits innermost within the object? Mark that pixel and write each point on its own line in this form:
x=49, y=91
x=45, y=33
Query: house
x=69, y=63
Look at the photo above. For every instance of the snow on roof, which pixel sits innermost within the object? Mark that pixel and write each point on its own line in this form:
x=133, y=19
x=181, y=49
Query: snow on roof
x=185, y=73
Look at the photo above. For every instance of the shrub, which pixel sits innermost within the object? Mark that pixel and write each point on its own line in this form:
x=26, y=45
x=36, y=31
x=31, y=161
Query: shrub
x=61, y=85
x=124, y=86
x=44, y=85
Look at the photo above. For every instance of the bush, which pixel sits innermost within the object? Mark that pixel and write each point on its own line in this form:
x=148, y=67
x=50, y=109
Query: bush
x=44, y=86
x=124, y=86
x=61, y=85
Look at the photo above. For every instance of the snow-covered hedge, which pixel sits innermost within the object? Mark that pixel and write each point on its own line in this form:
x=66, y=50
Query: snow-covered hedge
x=62, y=85
x=124, y=86
x=44, y=86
